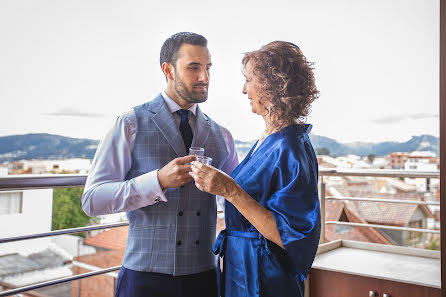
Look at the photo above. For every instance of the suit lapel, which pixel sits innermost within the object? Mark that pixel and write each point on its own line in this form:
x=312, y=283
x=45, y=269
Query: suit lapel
x=202, y=129
x=165, y=122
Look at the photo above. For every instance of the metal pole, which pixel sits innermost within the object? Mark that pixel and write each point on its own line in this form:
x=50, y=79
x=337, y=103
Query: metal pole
x=443, y=143
x=63, y=231
x=57, y=281
x=322, y=204
x=384, y=227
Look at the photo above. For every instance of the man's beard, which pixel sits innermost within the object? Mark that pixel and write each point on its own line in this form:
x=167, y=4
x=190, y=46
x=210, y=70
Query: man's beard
x=190, y=96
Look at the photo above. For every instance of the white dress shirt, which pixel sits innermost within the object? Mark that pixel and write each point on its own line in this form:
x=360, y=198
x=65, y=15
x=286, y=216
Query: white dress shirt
x=107, y=192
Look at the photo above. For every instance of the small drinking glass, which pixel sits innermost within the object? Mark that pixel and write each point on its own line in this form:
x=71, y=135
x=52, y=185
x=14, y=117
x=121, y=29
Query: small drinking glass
x=204, y=160
x=196, y=151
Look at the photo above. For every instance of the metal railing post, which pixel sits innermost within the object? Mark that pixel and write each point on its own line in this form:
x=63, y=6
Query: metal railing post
x=322, y=205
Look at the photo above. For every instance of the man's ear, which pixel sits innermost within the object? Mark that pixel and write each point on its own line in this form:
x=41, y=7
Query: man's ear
x=169, y=70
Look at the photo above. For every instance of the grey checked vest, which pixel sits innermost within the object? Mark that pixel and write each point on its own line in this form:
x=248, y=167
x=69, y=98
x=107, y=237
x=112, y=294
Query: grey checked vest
x=173, y=237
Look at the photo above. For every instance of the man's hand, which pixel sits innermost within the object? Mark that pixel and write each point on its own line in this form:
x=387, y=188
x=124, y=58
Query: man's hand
x=175, y=173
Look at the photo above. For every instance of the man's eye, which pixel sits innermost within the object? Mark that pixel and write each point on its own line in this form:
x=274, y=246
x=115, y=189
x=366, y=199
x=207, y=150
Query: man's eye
x=193, y=68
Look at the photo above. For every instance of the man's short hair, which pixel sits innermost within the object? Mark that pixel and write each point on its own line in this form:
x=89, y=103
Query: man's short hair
x=169, y=50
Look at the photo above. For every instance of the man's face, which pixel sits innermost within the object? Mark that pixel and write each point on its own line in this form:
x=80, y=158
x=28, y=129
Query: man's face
x=192, y=72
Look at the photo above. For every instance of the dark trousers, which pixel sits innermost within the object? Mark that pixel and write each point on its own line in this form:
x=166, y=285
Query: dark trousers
x=132, y=283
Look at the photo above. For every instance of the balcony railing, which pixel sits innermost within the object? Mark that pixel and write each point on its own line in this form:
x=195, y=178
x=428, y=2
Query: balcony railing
x=373, y=173
x=26, y=182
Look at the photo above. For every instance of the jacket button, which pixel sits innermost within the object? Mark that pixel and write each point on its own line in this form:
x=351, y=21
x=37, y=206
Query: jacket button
x=197, y=242
x=180, y=213
x=198, y=213
x=179, y=242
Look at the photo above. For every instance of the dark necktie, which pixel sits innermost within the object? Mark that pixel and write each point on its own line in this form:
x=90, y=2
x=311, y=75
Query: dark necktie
x=185, y=129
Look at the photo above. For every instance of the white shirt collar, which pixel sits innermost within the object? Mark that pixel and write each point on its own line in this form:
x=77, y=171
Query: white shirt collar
x=174, y=107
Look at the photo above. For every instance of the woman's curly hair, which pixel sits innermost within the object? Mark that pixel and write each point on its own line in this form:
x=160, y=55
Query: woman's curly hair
x=286, y=80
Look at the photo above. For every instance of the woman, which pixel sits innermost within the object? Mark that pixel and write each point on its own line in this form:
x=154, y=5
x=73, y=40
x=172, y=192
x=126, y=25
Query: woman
x=272, y=208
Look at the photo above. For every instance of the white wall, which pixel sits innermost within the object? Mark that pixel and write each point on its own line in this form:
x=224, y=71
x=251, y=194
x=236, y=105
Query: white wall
x=35, y=218
x=419, y=165
x=3, y=171
x=73, y=245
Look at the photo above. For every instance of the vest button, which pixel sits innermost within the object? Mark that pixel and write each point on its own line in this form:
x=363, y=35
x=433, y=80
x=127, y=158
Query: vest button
x=180, y=213
x=179, y=242
x=197, y=242
x=198, y=213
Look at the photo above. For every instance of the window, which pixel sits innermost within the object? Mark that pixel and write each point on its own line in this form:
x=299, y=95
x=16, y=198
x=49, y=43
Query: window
x=11, y=202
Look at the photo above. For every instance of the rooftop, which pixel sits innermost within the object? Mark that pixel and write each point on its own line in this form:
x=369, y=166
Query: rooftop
x=111, y=239
x=13, y=264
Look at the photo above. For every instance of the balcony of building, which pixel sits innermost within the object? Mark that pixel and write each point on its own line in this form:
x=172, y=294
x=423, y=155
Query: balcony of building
x=357, y=256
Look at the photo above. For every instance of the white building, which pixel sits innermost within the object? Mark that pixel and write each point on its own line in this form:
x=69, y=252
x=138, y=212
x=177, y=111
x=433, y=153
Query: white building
x=22, y=213
x=3, y=171
x=421, y=161
x=26, y=262
x=57, y=166
x=379, y=163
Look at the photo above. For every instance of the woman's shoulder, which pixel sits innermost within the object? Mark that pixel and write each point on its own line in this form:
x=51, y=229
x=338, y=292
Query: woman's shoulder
x=293, y=137
x=296, y=130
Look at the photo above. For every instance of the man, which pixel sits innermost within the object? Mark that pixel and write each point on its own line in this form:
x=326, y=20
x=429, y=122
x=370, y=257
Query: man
x=142, y=167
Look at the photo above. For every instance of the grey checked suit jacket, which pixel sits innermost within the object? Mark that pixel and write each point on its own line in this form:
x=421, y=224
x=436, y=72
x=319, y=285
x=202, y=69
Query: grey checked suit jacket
x=173, y=237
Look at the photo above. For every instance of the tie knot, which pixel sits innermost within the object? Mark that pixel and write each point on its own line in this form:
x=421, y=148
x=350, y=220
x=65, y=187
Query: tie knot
x=184, y=114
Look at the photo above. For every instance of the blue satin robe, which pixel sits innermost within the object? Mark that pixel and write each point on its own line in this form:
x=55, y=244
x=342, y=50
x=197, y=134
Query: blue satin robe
x=282, y=176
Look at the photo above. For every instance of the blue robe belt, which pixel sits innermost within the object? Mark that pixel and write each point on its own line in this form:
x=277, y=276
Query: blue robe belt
x=220, y=242
x=251, y=269
x=219, y=248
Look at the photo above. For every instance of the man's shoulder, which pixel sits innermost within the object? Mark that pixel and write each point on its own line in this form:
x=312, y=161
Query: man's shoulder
x=128, y=115
x=223, y=130
x=154, y=103
x=227, y=136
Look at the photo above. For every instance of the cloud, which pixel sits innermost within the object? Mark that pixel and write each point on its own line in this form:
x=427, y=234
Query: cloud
x=67, y=111
x=401, y=117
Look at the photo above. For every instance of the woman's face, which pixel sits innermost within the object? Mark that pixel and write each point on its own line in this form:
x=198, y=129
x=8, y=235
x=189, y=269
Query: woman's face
x=252, y=89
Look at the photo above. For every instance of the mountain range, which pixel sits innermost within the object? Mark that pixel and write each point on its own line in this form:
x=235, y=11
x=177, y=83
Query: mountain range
x=47, y=146
x=416, y=143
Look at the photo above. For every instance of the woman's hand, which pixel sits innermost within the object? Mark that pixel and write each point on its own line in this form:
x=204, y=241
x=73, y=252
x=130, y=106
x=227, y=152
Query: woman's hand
x=213, y=181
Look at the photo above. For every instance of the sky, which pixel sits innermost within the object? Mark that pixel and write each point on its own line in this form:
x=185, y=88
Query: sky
x=70, y=67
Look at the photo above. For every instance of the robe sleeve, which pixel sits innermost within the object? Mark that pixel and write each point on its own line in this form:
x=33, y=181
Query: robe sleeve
x=295, y=206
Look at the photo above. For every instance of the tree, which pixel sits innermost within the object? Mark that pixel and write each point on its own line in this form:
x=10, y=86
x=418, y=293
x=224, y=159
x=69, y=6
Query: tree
x=371, y=157
x=322, y=151
x=67, y=211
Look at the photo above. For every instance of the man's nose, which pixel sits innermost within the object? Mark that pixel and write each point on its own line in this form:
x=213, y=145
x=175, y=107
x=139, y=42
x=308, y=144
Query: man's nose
x=204, y=76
